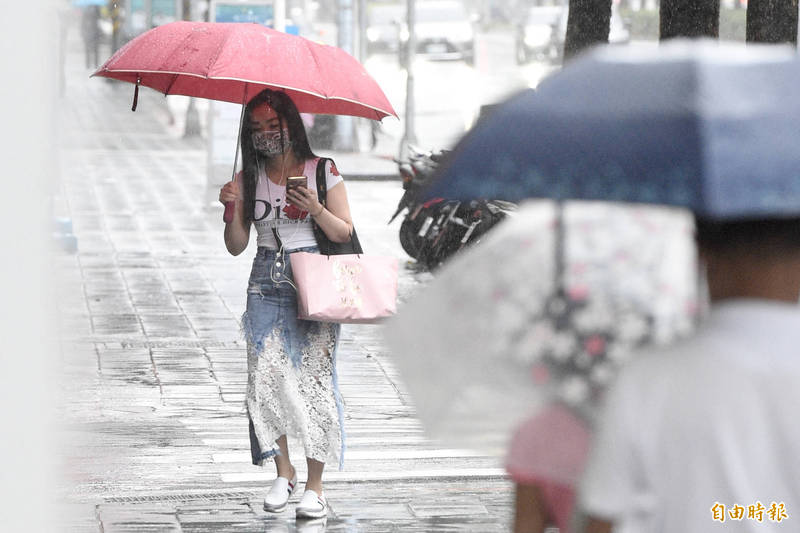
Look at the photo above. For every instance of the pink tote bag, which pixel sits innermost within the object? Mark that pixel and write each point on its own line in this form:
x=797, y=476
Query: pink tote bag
x=349, y=289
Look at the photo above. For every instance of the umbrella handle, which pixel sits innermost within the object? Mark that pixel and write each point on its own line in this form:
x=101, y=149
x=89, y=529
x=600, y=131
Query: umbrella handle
x=230, y=207
x=227, y=216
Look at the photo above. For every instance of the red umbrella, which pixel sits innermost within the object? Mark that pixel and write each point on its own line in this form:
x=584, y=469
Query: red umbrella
x=233, y=62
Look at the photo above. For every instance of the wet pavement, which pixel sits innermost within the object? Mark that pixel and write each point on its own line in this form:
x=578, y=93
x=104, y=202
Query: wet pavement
x=153, y=365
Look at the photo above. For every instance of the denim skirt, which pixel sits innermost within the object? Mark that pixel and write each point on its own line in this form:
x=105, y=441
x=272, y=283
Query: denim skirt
x=292, y=386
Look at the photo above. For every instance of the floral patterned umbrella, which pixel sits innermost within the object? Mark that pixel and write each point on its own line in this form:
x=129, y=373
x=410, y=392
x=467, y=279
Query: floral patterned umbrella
x=505, y=329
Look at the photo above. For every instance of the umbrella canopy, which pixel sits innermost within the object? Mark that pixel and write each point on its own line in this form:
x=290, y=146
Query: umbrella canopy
x=709, y=126
x=493, y=337
x=233, y=62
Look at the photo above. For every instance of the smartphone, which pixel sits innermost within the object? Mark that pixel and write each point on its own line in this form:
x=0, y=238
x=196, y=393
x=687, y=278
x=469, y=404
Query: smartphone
x=292, y=182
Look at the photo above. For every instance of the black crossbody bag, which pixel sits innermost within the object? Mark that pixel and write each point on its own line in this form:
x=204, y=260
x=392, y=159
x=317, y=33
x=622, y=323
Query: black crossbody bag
x=326, y=246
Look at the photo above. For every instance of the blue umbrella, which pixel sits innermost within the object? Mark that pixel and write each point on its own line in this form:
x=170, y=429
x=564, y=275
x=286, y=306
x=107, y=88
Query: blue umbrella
x=708, y=126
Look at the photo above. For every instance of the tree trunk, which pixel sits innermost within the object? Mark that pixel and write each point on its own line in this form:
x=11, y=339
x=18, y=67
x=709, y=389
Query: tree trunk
x=772, y=21
x=689, y=18
x=588, y=24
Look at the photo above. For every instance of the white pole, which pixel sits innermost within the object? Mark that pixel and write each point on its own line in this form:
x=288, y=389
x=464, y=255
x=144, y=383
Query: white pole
x=344, y=135
x=279, y=15
x=409, y=135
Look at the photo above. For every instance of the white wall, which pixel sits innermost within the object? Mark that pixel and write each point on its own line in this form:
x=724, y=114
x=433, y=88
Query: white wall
x=28, y=62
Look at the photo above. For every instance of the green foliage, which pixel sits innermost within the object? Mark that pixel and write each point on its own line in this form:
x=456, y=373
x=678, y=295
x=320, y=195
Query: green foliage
x=644, y=24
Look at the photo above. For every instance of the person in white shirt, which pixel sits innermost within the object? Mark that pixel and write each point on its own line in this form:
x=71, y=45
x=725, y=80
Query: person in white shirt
x=703, y=435
x=292, y=384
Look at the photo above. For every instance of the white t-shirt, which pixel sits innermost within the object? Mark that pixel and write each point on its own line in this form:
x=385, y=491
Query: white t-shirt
x=272, y=210
x=712, y=420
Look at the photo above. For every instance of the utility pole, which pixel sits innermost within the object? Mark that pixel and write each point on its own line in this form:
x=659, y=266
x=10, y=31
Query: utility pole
x=362, y=31
x=192, y=127
x=343, y=137
x=409, y=136
x=279, y=15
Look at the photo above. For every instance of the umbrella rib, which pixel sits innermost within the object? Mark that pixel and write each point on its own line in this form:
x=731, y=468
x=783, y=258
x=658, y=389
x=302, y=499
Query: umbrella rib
x=316, y=61
x=219, y=51
x=180, y=48
x=169, y=87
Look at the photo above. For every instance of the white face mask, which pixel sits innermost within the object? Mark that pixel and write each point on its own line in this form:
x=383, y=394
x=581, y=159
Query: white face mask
x=269, y=142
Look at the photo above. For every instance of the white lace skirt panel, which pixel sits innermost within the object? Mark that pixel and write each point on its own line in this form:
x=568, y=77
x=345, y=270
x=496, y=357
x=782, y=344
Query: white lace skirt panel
x=292, y=385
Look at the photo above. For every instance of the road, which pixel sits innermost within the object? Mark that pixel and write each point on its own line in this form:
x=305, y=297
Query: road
x=448, y=94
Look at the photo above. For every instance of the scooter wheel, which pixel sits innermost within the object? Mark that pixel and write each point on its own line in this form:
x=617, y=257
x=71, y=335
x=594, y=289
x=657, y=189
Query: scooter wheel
x=408, y=237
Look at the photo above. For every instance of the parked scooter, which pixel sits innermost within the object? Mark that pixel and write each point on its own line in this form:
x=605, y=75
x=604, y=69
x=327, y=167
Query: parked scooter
x=434, y=230
x=416, y=174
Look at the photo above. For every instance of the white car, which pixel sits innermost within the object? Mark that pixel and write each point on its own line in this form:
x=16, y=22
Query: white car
x=444, y=30
x=534, y=35
x=383, y=27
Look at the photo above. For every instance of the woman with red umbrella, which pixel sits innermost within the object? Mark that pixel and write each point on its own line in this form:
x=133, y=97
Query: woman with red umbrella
x=292, y=384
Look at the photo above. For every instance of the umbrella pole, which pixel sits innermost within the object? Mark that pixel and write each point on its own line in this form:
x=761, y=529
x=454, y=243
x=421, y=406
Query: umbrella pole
x=227, y=216
x=559, y=306
x=560, y=248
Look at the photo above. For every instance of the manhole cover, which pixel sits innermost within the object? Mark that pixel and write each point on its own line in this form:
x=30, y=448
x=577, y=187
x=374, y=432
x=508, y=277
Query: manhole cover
x=181, y=497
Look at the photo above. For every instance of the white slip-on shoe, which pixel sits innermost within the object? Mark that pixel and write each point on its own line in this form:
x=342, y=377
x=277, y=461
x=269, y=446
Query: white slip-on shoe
x=312, y=505
x=279, y=493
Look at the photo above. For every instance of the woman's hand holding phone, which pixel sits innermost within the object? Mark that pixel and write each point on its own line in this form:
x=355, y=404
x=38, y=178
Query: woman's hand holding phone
x=299, y=195
x=295, y=182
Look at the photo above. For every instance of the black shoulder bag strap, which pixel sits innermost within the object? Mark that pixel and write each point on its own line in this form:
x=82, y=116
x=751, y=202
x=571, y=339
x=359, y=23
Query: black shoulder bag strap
x=322, y=183
x=326, y=246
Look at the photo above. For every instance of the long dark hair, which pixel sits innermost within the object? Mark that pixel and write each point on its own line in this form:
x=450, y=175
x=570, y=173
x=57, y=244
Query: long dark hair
x=251, y=159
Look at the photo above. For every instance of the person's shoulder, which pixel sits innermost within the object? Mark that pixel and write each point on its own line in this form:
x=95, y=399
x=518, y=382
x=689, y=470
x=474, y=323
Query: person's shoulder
x=659, y=361
x=332, y=168
x=317, y=159
x=332, y=173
